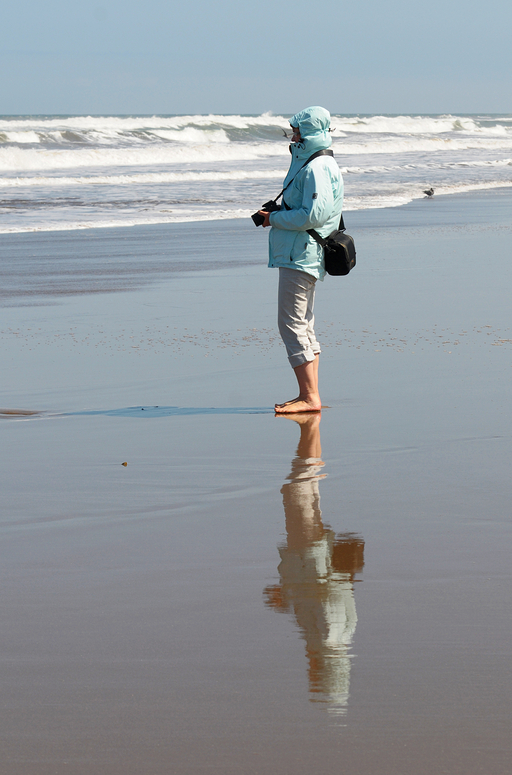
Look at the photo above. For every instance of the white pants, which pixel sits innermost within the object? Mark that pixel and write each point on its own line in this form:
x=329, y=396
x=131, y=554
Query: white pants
x=295, y=317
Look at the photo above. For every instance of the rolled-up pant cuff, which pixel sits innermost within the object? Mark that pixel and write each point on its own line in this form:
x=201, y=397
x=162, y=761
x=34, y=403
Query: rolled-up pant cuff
x=295, y=316
x=303, y=357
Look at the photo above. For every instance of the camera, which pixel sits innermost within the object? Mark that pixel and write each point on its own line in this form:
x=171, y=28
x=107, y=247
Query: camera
x=268, y=207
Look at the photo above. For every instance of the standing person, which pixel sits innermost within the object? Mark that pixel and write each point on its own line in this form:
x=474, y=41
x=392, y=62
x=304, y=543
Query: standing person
x=313, y=199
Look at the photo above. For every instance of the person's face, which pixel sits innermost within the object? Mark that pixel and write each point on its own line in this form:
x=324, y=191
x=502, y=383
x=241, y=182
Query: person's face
x=296, y=138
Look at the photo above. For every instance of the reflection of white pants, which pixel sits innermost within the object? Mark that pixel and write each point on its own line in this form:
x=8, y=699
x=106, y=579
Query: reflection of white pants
x=295, y=317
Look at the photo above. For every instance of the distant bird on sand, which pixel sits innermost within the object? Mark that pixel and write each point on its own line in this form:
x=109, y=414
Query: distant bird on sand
x=429, y=192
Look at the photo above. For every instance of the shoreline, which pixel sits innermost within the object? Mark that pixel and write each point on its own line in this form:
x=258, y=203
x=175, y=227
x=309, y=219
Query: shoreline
x=120, y=319
x=50, y=267
x=478, y=190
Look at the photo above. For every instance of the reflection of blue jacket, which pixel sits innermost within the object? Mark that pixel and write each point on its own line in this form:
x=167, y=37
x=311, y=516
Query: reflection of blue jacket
x=315, y=198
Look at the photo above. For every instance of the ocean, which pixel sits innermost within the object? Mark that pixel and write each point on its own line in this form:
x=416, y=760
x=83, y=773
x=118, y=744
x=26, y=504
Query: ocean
x=171, y=600
x=79, y=172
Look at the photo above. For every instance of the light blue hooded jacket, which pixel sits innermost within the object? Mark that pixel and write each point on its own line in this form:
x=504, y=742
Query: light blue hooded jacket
x=315, y=198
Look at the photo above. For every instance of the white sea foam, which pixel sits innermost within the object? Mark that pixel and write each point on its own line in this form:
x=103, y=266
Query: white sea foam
x=21, y=159
x=418, y=167
x=194, y=215
x=15, y=158
x=192, y=135
x=226, y=175
x=130, y=123
x=98, y=171
x=139, y=178
x=359, y=124
x=36, y=159
x=402, y=145
x=405, y=124
x=93, y=223
x=29, y=136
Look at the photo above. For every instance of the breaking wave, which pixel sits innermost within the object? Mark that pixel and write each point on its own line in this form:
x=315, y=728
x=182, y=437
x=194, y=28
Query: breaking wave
x=63, y=172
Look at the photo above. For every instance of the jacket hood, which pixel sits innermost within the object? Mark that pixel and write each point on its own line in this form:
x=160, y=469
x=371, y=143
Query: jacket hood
x=313, y=124
x=312, y=121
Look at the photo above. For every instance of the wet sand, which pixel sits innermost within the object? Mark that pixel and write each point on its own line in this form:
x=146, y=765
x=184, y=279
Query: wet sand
x=252, y=593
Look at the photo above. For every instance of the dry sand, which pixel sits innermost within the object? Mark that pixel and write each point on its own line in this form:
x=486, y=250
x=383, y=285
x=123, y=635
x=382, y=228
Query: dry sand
x=226, y=603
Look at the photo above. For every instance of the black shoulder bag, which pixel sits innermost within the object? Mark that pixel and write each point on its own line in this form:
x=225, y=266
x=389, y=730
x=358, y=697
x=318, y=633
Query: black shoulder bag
x=339, y=250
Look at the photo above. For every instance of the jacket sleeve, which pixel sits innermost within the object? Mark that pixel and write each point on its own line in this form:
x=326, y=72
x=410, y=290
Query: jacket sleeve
x=317, y=203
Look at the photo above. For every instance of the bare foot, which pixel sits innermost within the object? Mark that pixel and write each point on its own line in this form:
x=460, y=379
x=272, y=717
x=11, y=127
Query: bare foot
x=287, y=403
x=298, y=405
x=293, y=401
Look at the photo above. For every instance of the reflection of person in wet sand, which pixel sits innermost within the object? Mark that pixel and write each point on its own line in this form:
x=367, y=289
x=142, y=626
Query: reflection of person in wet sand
x=317, y=572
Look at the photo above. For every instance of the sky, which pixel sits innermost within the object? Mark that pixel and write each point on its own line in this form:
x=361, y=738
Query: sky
x=234, y=56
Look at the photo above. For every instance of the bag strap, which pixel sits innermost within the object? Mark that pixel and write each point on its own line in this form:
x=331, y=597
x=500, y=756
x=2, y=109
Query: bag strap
x=326, y=152
x=313, y=233
x=321, y=240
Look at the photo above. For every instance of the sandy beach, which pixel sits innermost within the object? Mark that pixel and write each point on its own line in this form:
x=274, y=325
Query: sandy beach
x=252, y=593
